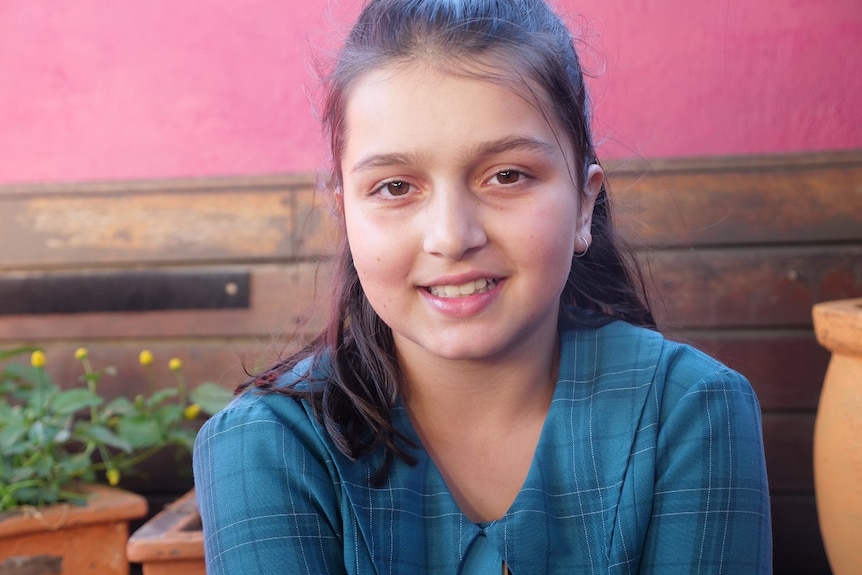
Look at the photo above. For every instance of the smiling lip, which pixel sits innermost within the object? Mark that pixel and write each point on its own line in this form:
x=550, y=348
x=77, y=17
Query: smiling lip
x=468, y=288
x=462, y=297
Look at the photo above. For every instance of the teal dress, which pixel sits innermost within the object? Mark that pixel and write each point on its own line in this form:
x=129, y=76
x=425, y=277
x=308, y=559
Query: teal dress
x=650, y=462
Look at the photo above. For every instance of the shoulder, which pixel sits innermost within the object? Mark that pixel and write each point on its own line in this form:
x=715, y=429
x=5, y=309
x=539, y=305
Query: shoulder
x=620, y=352
x=255, y=418
x=690, y=376
x=688, y=389
x=268, y=486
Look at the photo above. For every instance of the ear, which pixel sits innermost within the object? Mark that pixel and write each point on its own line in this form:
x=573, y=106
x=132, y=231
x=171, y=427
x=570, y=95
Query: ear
x=592, y=187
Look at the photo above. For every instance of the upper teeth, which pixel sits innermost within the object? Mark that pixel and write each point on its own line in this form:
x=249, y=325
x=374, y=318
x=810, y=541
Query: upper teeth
x=468, y=288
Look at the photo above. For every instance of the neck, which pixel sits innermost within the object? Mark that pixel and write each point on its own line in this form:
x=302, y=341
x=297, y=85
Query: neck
x=440, y=393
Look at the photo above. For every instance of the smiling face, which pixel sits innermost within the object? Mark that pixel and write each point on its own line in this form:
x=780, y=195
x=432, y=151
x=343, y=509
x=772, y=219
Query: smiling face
x=461, y=213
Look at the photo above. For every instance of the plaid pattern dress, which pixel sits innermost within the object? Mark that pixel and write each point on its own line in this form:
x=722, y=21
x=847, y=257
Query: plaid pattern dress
x=650, y=462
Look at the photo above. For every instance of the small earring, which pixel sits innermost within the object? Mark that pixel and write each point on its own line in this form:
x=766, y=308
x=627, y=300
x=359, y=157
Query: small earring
x=586, y=247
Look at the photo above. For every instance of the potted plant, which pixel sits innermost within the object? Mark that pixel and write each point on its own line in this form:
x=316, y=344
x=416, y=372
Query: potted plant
x=56, y=444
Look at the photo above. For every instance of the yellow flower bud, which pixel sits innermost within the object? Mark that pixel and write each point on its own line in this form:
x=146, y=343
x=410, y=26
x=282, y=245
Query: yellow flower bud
x=192, y=411
x=146, y=358
x=113, y=477
x=175, y=364
x=37, y=359
x=81, y=353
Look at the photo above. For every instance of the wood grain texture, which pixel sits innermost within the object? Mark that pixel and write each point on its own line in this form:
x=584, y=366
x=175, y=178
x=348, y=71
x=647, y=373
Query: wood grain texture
x=797, y=546
x=753, y=287
x=251, y=222
x=810, y=198
x=788, y=440
x=283, y=299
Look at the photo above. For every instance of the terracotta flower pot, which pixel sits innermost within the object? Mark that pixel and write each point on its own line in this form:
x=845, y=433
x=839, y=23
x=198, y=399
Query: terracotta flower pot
x=172, y=542
x=71, y=539
x=838, y=435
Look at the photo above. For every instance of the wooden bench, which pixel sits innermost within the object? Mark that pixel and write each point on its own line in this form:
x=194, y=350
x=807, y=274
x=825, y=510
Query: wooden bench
x=218, y=272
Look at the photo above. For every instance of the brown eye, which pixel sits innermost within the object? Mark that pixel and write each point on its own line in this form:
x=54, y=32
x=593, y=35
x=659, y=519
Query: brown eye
x=397, y=188
x=508, y=176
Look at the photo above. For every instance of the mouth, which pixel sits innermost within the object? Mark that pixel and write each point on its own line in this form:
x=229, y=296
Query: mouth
x=470, y=288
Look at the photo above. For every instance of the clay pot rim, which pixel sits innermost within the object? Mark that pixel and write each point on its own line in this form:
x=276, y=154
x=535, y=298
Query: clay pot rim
x=104, y=504
x=838, y=325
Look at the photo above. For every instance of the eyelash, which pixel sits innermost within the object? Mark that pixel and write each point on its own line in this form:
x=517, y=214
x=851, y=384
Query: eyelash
x=510, y=171
x=382, y=188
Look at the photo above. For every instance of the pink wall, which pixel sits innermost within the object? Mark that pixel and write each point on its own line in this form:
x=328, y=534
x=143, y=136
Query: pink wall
x=95, y=89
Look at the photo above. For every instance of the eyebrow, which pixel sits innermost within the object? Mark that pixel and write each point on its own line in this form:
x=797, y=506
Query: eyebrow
x=507, y=144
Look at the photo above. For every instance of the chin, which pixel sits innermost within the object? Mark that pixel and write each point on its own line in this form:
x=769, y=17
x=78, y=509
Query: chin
x=472, y=350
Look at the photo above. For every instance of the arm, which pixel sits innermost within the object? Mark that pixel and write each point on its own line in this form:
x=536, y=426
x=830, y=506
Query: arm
x=265, y=494
x=711, y=503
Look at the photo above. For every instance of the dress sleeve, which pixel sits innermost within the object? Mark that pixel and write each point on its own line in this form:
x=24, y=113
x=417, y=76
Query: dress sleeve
x=266, y=492
x=710, y=509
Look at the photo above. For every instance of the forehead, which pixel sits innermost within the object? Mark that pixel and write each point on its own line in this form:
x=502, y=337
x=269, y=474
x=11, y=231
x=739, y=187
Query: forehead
x=411, y=105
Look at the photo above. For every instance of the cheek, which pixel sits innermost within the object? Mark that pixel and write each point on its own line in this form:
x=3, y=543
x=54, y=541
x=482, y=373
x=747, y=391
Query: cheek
x=549, y=244
x=550, y=231
x=378, y=255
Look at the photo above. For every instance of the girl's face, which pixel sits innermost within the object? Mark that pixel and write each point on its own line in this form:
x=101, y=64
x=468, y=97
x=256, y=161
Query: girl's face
x=461, y=213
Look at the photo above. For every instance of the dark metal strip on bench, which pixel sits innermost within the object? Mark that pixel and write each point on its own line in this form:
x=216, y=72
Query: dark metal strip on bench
x=67, y=293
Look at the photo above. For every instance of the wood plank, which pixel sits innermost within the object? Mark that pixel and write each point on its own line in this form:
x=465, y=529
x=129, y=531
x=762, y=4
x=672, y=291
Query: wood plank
x=786, y=368
x=763, y=287
x=88, y=228
x=690, y=290
x=282, y=301
x=797, y=544
x=789, y=444
x=735, y=201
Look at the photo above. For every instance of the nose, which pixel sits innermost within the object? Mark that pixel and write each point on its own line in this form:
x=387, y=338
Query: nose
x=453, y=227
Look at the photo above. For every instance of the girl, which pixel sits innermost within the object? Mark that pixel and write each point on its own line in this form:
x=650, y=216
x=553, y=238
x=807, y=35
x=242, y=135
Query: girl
x=489, y=392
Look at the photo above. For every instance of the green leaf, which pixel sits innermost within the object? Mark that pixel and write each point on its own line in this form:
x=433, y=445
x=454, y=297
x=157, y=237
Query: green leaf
x=11, y=434
x=28, y=373
x=211, y=397
x=161, y=395
x=7, y=353
x=121, y=406
x=140, y=432
x=43, y=465
x=107, y=437
x=37, y=432
x=95, y=376
x=20, y=474
x=68, y=402
x=169, y=414
x=24, y=446
x=38, y=496
x=185, y=438
x=75, y=465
